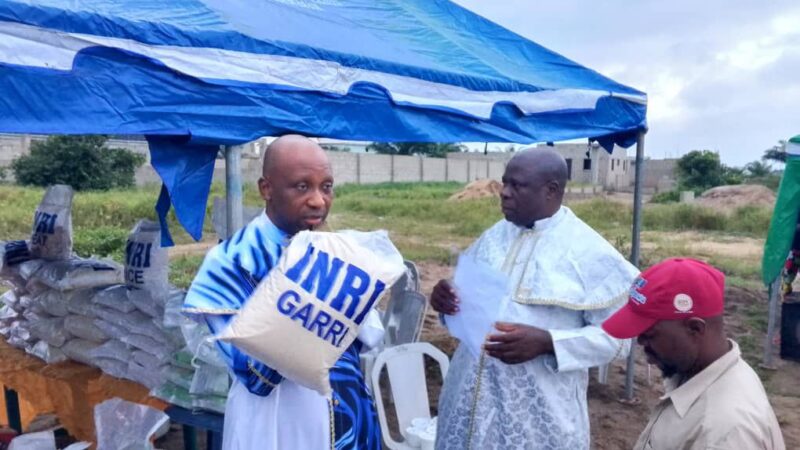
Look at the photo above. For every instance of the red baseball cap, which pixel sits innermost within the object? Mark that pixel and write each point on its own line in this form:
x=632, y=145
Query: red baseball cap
x=673, y=289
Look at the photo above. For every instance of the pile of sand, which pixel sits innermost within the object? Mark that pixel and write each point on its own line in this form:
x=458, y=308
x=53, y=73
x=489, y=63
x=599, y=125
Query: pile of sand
x=479, y=189
x=736, y=196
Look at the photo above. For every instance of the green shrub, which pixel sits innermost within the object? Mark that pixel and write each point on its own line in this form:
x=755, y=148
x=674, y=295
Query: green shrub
x=82, y=162
x=666, y=197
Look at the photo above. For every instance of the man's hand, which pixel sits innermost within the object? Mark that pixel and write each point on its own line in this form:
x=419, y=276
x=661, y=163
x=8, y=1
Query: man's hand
x=518, y=343
x=444, y=299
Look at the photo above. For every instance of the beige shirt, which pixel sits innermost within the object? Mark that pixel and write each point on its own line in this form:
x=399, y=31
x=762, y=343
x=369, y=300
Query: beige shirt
x=722, y=407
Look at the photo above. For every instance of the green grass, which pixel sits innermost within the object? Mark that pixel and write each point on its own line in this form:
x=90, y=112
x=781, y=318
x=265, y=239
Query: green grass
x=183, y=268
x=421, y=221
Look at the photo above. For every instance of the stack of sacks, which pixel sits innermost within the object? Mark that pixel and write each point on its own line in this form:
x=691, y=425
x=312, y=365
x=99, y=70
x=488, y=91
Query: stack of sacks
x=51, y=239
x=132, y=314
x=125, y=322
x=151, y=342
x=50, y=287
x=61, y=294
x=196, y=376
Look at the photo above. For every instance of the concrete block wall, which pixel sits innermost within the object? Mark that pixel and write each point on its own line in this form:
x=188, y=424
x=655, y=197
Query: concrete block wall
x=434, y=169
x=373, y=168
x=457, y=170
x=345, y=167
x=376, y=168
x=406, y=168
x=496, y=170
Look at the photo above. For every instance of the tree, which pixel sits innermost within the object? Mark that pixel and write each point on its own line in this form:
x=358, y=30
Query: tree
x=699, y=170
x=83, y=162
x=776, y=153
x=435, y=150
x=758, y=169
x=732, y=175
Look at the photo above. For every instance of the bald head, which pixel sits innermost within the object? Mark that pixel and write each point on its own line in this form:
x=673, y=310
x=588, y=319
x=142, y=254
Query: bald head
x=290, y=146
x=533, y=186
x=543, y=164
x=296, y=183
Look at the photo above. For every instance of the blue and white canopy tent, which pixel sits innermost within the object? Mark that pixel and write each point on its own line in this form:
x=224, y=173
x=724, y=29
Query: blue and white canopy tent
x=192, y=75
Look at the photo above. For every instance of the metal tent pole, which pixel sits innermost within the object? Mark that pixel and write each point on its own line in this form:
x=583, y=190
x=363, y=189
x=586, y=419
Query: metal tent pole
x=635, y=246
x=772, y=318
x=233, y=189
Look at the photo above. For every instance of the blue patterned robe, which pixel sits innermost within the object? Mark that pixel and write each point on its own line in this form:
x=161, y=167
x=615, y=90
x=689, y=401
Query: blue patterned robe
x=225, y=281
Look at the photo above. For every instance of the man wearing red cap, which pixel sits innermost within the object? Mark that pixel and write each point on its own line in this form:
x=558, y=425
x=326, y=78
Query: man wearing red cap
x=714, y=399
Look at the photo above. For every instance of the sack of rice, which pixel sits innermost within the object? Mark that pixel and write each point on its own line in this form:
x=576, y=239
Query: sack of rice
x=112, y=349
x=80, y=302
x=80, y=350
x=116, y=297
x=51, y=237
x=10, y=298
x=177, y=376
x=84, y=328
x=8, y=313
x=144, y=301
x=78, y=273
x=210, y=380
x=48, y=353
x=52, y=302
x=144, y=376
x=113, y=367
x=29, y=268
x=111, y=330
x=51, y=331
x=147, y=360
x=307, y=311
x=174, y=395
x=146, y=261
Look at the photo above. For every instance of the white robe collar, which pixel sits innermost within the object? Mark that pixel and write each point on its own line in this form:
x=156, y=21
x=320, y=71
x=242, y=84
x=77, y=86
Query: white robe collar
x=560, y=261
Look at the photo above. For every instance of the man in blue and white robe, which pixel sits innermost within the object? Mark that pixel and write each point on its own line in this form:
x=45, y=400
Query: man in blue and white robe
x=264, y=410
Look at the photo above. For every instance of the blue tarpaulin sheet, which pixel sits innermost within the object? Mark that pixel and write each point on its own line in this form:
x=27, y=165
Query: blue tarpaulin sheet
x=211, y=72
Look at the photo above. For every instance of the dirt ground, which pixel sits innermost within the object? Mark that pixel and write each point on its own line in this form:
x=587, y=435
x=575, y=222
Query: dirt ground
x=728, y=198
x=616, y=425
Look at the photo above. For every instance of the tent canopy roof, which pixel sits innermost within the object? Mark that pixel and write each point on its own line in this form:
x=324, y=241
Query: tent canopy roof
x=195, y=74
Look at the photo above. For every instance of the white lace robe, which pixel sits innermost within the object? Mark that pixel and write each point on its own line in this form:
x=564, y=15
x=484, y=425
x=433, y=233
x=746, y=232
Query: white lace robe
x=565, y=279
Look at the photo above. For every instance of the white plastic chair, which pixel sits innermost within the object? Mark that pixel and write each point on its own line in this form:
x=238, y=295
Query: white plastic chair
x=403, y=318
x=405, y=365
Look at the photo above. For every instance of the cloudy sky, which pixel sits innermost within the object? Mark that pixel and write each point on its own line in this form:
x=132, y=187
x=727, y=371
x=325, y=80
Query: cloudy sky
x=722, y=75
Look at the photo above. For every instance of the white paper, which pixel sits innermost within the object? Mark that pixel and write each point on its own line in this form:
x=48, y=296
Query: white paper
x=483, y=295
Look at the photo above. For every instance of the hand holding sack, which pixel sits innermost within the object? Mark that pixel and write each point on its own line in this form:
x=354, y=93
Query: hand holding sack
x=307, y=311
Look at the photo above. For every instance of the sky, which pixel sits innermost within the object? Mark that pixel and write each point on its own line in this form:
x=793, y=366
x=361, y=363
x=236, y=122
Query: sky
x=722, y=75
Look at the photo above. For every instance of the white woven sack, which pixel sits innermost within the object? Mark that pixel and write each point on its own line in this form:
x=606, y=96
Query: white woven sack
x=51, y=236
x=308, y=309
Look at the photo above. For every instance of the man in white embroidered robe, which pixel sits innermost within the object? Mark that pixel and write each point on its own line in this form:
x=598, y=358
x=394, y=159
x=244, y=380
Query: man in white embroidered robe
x=528, y=388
